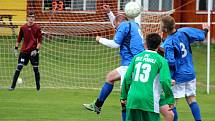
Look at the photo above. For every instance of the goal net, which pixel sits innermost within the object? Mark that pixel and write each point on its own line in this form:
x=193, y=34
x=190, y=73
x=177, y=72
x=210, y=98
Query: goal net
x=70, y=56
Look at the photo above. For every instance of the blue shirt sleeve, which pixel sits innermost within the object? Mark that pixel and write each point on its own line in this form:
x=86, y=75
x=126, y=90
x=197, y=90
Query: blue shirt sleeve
x=121, y=33
x=169, y=54
x=193, y=34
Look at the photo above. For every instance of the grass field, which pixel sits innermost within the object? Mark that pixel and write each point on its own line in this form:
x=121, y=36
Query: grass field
x=66, y=105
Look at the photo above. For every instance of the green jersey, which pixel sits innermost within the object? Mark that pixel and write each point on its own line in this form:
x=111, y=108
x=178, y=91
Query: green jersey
x=147, y=75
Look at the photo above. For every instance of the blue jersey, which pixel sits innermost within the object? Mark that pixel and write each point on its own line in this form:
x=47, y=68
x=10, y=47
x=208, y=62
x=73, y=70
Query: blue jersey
x=130, y=39
x=179, y=55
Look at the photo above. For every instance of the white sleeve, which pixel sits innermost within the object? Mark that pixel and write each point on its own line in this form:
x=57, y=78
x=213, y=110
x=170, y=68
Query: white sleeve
x=109, y=43
x=111, y=18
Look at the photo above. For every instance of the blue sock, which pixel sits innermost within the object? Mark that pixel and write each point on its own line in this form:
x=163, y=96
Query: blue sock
x=123, y=111
x=196, y=111
x=106, y=90
x=175, y=114
x=123, y=115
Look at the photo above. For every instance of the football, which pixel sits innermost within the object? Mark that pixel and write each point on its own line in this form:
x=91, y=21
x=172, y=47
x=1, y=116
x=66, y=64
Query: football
x=19, y=81
x=132, y=9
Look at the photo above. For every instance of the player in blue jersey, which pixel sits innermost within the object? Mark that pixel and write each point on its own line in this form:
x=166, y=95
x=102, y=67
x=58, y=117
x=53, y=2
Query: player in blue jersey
x=164, y=107
x=179, y=56
x=129, y=39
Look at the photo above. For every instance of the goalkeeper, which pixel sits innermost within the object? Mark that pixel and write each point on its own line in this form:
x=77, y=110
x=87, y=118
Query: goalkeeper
x=129, y=39
x=31, y=32
x=146, y=74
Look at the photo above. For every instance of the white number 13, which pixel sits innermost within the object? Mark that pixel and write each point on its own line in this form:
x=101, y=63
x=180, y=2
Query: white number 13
x=144, y=75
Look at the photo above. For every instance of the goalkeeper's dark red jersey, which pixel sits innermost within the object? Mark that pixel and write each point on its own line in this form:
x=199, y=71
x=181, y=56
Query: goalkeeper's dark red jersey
x=32, y=36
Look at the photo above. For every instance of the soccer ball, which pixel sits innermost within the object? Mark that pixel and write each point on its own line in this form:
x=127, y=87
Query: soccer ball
x=19, y=81
x=132, y=9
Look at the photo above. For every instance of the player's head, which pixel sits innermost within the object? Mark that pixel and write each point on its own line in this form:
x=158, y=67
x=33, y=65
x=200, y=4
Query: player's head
x=167, y=24
x=153, y=41
x=30, y=17
x=118, y=19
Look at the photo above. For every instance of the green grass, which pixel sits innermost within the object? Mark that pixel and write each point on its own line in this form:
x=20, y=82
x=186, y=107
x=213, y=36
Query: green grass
x=200, y=62
x=54, y=105
x=66, y=105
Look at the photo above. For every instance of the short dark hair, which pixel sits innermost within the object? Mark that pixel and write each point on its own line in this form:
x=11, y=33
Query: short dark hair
x=30, y=14
x=153, y=40
x=168, y=23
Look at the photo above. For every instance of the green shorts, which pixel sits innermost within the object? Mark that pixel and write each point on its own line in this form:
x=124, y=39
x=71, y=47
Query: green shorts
x=140, y=115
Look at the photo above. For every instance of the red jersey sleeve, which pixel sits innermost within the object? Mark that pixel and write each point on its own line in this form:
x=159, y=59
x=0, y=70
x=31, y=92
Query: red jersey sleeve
x=21, y=34
x=39, y=35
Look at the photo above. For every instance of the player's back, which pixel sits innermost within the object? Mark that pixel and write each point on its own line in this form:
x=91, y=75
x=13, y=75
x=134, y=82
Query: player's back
x=180, y=42
x=137, y=40
x=144, y=93
x=130, y=39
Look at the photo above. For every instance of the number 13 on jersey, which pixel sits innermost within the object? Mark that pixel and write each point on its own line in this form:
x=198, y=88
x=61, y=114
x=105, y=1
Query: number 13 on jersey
x=143, y=75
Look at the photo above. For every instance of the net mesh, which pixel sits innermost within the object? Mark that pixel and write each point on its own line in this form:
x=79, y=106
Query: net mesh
x=70, y=56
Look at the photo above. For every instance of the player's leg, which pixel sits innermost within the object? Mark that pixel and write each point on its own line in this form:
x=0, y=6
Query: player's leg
x=164, y=108
x=167, y=113
x=179, y=92
x=191, y=99
x=111, y=77
x=35, y=63
x=123, y=111
x=133, y=115
x=140, y=115
x=122, y=70
x=37, y=76
x=23, y=60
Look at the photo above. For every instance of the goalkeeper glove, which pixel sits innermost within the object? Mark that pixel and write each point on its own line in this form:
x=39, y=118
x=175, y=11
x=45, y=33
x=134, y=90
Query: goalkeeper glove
x=15, y=51
x=34, y=52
